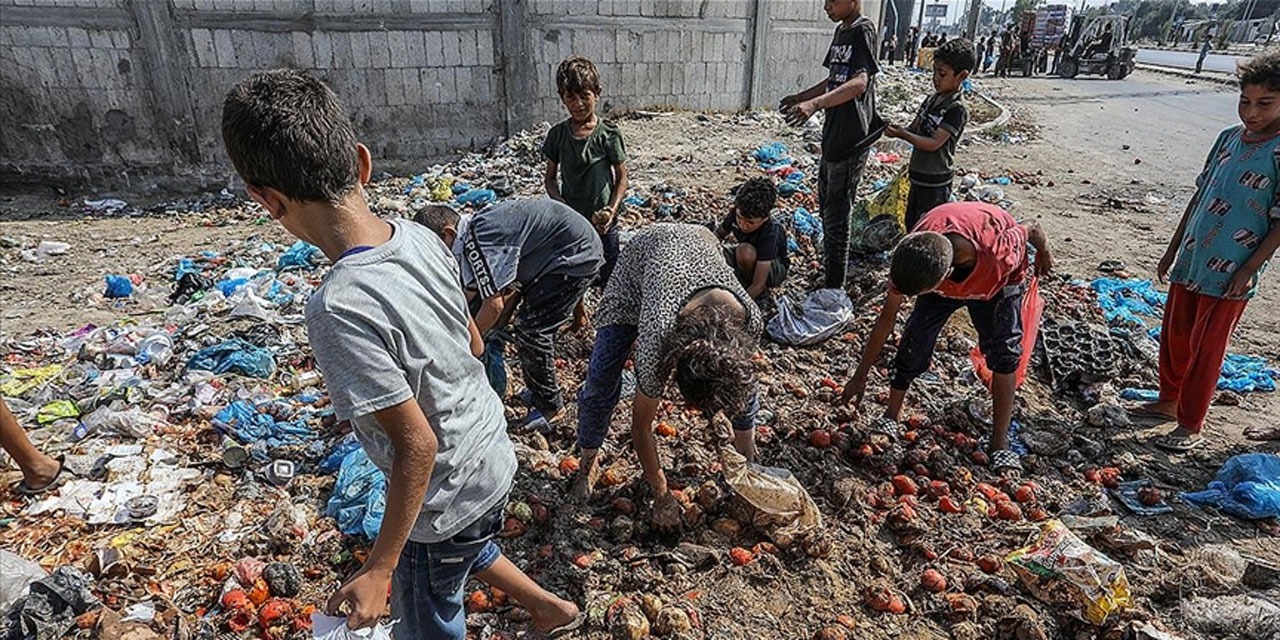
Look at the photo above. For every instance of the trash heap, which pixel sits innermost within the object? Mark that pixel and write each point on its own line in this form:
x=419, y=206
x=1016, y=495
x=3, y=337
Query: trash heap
x=213, y=494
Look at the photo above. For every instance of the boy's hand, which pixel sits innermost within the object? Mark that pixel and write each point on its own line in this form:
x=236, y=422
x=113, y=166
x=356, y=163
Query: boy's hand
x=801, y=112
x=894, y=131
x=1162, y=269
x=602, y=220
x=854, y=390
x=1044, y=261
x=366, y=596
x=1241, y=283
x=785, y=103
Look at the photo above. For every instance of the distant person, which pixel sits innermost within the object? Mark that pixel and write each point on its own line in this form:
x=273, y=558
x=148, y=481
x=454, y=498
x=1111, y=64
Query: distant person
x=988, y=57
x=540, y=256
x=913, y=46
x=936, y=130
x=970, y=255
x=587, y=158
x=390, y=330
x=850, y=128
x=40, y=473
x=1204, y=53
x=1006, y=52
x=927, y=43
x=1229, y=231
x=758, y=255
x=1102, y=45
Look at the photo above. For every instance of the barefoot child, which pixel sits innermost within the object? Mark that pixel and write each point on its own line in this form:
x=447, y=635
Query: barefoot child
x=962, y=254
x=1221, y=247
x=759, y=253
x=390, y=329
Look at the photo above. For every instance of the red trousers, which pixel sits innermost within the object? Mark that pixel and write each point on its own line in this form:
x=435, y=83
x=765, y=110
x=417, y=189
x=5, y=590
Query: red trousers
x=1193, y=344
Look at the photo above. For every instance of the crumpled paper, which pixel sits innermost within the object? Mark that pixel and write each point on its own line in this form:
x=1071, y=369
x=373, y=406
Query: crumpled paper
x=325, y=627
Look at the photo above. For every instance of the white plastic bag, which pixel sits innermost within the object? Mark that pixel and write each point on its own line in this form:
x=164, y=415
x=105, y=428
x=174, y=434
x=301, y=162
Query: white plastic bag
x=325, y=627
x=16, y=575
x=819, y=316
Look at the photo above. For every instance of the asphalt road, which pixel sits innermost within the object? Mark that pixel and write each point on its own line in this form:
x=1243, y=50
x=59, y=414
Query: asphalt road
x=1187, y=60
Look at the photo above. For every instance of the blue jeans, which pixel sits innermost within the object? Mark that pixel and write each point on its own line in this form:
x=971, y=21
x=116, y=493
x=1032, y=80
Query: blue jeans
x=427, y=586
x=603, y=387
x=612, y=247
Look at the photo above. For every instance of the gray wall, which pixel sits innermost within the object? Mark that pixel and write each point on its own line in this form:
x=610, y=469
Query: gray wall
x=122, y=93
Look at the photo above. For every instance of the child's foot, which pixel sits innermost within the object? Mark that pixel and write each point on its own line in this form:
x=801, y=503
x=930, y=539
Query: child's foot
x=556, y=618
x=584, y=485
x=1163, y=410
x=1180, y=440
x=581, y=319
x=44, y=476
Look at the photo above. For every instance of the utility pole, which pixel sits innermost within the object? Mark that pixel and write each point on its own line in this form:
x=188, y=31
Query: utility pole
x=975, y=8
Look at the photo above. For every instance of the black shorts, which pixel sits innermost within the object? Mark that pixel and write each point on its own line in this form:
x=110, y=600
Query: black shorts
x=998, y=322
x=778, y=269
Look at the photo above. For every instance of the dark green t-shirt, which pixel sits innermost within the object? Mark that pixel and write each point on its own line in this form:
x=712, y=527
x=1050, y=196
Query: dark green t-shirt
x=586, y=166
x=939, y=111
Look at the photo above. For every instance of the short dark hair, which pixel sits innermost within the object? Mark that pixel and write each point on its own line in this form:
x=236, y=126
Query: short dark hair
x=756, y=198
x=576, y=75
x=709, y=355
x=436, y=217
x=920, y=261
x=1262, y=70
x=957, y=54
x=286, y=130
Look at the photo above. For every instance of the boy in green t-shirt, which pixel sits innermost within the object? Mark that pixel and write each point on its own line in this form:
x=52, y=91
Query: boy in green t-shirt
x=590, y=157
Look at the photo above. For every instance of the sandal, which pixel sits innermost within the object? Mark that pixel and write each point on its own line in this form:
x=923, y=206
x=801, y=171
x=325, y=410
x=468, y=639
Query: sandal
x=1144, y=412
x=1005, y=460
x=1112, y=266
x=24, y=489
x=1178, y=444
x=887, y=427
x=568, y=627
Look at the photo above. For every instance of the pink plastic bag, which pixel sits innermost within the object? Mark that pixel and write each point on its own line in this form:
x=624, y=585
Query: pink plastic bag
x=1032, y=309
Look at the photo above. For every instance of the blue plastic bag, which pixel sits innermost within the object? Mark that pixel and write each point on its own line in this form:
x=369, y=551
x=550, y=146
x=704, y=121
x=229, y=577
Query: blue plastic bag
x=236, y=356
x=359, y=496
x=118, y=287
x=1247, y=486
x=228, y=287
x=301, y=255
x=477, y=197
x=807, y=224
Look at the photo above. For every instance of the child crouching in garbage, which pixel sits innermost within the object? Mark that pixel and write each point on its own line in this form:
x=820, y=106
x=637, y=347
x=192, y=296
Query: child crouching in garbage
x=391, y=332
x=1217, y=254
x=962, y=254
x=759, y=252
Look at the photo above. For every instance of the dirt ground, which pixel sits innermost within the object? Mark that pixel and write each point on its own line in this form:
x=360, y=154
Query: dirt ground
x=1096, y=204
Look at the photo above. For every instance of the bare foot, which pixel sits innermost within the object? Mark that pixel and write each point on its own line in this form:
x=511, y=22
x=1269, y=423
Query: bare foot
x=745, y=443
x=584, y=484
x=581, y=319
x=554, y=615
x=42, y=473
x=667, y=513
x=1164, y=409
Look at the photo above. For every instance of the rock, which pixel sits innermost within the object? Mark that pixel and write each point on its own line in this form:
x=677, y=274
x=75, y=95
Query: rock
x=622, y=529
x=1107, y=415
x=1021, y=624
x=1229, y=398
x=671, y=621
x=965, y=631
x=651, y=605
x=695, y=555
x=629, y=623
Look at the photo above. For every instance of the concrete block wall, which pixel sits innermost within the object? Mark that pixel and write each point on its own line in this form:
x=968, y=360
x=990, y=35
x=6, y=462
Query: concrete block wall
x=108, y=93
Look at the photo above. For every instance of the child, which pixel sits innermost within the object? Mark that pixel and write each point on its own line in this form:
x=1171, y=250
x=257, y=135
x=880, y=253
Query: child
x=760, y=257
x=962, y=254
x=936, y=130
x=1221, y=247
x=40, y=473
x=589, y=155
x=851, y=126
x=390, y=330
x=544, y=250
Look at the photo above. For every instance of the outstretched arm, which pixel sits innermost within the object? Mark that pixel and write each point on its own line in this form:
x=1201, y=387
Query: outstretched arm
x=857, y=385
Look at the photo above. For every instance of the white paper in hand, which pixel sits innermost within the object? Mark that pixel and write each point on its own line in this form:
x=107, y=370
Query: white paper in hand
x=325, y=627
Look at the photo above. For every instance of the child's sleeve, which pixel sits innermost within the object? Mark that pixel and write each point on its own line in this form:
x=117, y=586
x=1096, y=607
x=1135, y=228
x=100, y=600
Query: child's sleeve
x=551, y=146
x=616, y=150
x=362, y=375
x=955, y=119
x=864, y=57
x=1274, y=214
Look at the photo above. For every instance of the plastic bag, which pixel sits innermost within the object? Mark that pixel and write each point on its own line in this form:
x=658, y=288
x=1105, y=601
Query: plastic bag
x=16, y=575
x=236, y=356
x=818, y=316
x=1059, y=568
x=118, y=287
x=807, y=224
x=785, y=509
x=495, y=363
x=325, y=627
x=891, y=201
x=301, y=255
x=477, y=197
x=1247, y=486
x=1032, y=310
x=359, y=496
x=21, y=381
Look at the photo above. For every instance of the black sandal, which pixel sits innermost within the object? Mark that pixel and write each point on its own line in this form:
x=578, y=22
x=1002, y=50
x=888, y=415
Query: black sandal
x=887, y=427
x=1005, y=460
x=24, y=489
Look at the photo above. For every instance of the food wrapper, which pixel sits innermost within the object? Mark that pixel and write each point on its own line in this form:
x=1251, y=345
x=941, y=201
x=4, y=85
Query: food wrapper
x=1061, y=569
x=783, y=508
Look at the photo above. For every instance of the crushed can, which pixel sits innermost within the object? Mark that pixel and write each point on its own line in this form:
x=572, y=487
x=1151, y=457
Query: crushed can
x=280, y=472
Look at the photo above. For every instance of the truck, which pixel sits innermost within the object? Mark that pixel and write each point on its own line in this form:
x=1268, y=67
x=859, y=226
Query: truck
x=1039, y=31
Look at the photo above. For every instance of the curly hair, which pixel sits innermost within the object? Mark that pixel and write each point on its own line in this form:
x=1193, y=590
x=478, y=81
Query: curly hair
x=920, y=262
x=1262, y=70
x=957, y=54
x=756, y=198
x=709, y=354
x=576, y=75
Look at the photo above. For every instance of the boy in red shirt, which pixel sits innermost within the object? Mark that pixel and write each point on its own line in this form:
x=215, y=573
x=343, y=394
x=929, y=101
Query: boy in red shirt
x=962, y=254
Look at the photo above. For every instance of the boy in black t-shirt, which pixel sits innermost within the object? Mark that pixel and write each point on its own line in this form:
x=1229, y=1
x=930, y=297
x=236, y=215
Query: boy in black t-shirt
x=937, y=128
x=760, y=257
x=851, y=126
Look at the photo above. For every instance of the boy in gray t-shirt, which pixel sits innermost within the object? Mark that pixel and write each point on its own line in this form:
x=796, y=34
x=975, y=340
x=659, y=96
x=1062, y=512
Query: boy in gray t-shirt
x=391, y=332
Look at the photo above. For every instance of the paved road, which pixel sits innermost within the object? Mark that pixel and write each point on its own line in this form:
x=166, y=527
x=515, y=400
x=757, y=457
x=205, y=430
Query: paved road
x=1187, y=60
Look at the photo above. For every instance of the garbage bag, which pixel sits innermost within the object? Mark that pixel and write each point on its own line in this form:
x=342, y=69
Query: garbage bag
x=891, y=201
x=301, y=255
x=478, y=197
x=49, y=611
x=236, y=356
x=118, y=287
x=1124, y=300
x=359, y=496
x=1061, y=569
x=807, y=224
x=1247, y=486
x=1032, y=310
x=16, y=575
x=189, y=284
x=1244, y=374
x=772, y=155
x=818, y=316
x=784, y=508
x=333, y=460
